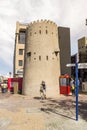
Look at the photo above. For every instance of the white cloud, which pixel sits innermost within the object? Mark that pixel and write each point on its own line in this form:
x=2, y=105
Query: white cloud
x=70, y=13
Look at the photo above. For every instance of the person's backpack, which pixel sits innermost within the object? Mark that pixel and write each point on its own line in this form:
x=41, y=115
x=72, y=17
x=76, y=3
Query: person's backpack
x=73, y=87
x=44, y=87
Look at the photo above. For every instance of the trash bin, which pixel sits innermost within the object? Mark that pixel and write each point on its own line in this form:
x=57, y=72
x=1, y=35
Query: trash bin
x=4, y=88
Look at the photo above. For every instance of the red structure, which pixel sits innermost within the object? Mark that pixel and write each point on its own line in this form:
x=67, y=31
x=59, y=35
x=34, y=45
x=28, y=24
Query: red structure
x=15, y=83
x=64, y=81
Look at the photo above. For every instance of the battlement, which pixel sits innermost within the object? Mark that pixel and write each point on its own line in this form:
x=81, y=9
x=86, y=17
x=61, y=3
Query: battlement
x=42, y=21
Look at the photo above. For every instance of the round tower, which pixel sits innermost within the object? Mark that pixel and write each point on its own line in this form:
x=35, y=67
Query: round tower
x=42, y=62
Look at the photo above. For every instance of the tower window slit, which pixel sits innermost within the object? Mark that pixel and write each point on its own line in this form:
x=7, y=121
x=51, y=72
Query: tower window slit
x=40, y=31
x=46, y=57
x=39, y=57
x=28, y=54
x=46, y=32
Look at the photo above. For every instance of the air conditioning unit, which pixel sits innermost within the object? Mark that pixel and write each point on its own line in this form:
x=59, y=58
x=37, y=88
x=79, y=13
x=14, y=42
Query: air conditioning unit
x=84, y=86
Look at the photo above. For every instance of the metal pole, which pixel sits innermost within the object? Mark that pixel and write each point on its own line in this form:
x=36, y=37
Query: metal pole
x=76, y=91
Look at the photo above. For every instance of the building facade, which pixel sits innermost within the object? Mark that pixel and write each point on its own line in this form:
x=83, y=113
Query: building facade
x=47, y=53
x=65, y=49
x=82, y=50
x=20, y=39
x=42, y=61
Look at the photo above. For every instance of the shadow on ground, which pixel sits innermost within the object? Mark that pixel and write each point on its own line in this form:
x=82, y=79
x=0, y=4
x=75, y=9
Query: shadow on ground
x=4, y=95
x=39, y=98
x=65, y=107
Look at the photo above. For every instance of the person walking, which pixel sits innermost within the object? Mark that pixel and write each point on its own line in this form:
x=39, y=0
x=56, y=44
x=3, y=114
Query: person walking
x=72, y=87
x=43, y=90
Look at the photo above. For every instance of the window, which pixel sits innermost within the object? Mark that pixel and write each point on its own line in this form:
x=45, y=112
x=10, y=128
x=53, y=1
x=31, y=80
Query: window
x=22, y=35
x=63, y=81
x=39, y=57
x=28, y=54
x=46, y=57
x=46, y=31
x=40, y=31
x=20, y=63
x=20, y=51
x=34, y=58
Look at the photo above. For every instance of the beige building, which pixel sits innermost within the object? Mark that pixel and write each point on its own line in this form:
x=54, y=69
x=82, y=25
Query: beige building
x=64, y=45
x=42, y=61
x=82, y=49
x=20, y=37
x=42, y=56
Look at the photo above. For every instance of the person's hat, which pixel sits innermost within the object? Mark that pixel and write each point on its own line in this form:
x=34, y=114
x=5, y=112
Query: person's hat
x=43, y=82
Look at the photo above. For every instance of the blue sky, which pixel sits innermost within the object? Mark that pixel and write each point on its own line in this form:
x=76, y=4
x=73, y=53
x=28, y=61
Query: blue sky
x=67, y=13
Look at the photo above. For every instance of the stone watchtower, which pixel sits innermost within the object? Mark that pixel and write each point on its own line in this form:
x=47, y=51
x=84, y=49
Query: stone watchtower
x=42, y=60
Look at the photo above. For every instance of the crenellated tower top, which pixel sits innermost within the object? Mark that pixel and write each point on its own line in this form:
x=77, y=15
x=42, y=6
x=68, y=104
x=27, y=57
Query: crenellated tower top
x=42, y=21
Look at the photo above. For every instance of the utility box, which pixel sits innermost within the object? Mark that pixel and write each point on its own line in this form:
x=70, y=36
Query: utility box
x=84, y=86
x=15, y=85
x=64, y=81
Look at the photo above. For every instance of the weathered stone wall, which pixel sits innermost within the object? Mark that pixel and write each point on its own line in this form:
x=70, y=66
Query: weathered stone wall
x=41, y=63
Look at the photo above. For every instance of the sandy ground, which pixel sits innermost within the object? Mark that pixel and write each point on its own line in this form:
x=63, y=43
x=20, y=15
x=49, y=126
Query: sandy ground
x=18, y=112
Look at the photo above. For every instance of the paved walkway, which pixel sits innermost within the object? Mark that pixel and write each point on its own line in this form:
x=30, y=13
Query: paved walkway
x=18, y=112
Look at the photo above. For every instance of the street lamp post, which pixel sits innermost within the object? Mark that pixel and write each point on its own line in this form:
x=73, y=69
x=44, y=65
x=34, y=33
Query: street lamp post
x=77, y=60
